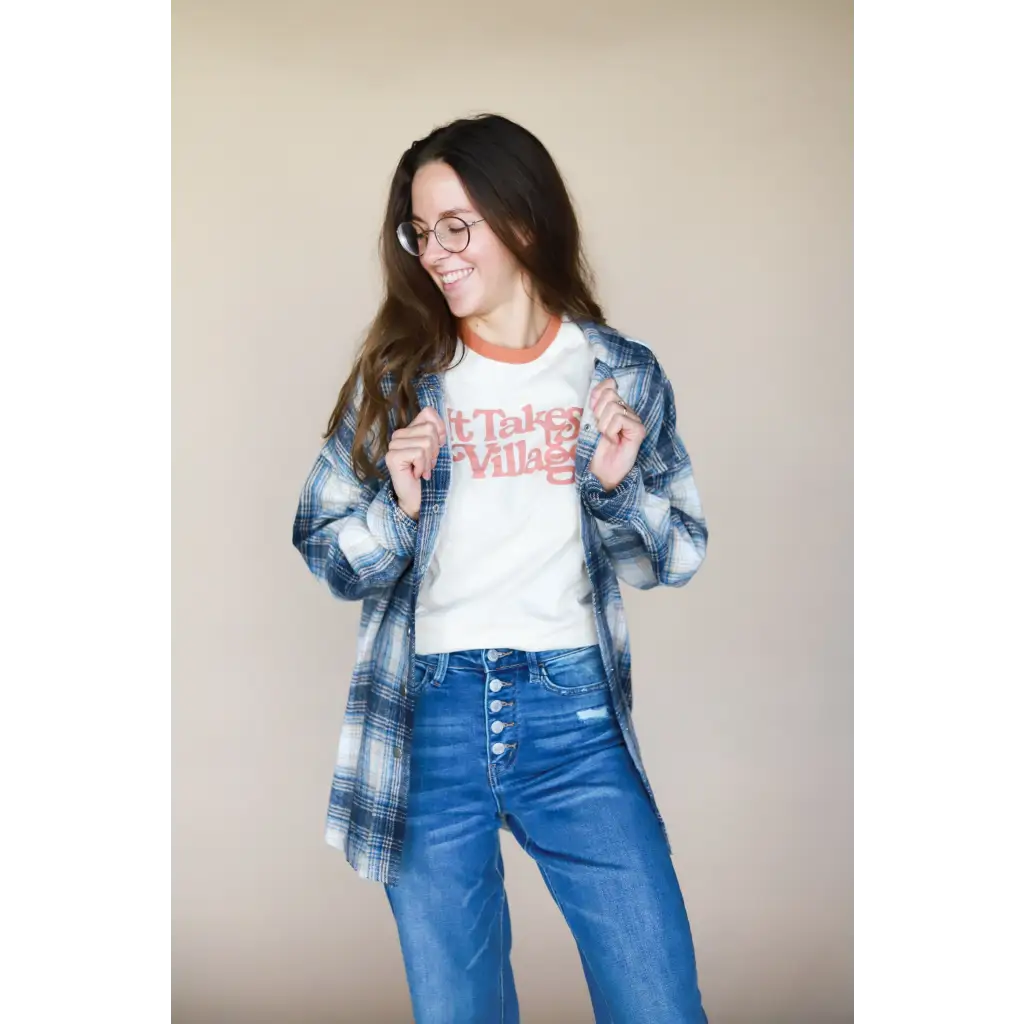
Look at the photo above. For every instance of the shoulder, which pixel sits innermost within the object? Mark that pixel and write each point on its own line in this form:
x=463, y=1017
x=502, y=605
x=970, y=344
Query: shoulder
x=632, y=362
x=619, y=350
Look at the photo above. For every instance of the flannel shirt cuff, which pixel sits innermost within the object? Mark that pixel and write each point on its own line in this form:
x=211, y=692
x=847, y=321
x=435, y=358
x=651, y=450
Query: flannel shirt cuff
x=619, y=505
x=401, y=527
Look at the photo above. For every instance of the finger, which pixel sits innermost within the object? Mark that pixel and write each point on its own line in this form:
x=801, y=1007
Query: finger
x=428, y=412
x=602, y=389
x=419, y=430
x=428, y=415
x=611, y=400
x=617, y=422
x=609, y=423
x=423, y=439
x=400, y=461
x=427, y=425
x=418, y=459
x=607, y=391
x=409, y=452
x=608, y=399
x=418, y=464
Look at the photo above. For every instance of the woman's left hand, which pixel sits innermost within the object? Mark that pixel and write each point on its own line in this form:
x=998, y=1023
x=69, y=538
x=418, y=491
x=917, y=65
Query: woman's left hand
x=622, y=432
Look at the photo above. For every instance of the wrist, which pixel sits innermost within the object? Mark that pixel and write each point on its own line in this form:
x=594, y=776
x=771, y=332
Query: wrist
x=611, y=485
x=608, y=485
x=409, y=508
x=617, y=503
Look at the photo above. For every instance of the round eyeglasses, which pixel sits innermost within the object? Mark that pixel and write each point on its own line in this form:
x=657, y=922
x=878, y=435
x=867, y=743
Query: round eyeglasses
x=452, y=233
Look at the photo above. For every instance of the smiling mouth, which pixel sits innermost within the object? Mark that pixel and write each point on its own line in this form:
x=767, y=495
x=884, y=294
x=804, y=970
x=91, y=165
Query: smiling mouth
x=452, y=279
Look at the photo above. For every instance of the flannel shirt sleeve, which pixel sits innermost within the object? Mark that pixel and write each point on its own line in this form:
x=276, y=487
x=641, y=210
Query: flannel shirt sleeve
x=652, y=524
x=351, y=533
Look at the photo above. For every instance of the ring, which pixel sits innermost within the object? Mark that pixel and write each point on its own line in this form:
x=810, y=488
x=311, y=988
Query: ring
x=621, y=403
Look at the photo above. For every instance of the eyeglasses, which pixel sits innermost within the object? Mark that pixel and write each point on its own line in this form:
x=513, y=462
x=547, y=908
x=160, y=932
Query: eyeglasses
x=452, y=233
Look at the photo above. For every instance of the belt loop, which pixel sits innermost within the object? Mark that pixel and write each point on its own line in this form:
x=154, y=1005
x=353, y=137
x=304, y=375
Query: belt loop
x=533, y=660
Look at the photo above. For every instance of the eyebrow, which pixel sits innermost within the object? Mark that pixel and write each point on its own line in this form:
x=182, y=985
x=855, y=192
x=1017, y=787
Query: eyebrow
x=446, y=213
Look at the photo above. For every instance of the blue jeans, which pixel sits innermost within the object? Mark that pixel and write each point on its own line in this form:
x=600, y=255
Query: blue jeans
x=530, y=740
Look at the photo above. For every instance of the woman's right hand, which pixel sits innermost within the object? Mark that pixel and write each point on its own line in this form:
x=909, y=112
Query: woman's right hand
x=411, y=456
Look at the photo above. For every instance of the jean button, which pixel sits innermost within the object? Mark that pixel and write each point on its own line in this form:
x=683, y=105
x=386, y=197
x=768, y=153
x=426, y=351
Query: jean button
x=492, y=655
x=498, y=748
x=496, y=705
x=497, y=726
x=496, y=685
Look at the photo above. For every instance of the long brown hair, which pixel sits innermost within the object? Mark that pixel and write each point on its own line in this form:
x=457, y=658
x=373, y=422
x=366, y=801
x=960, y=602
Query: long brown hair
x=515, y=185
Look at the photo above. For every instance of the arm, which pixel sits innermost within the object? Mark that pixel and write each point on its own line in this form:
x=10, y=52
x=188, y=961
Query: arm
x=652, y=524
x=352, y=534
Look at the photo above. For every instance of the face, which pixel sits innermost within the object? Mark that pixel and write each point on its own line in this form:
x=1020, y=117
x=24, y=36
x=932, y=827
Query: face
x=484, y=275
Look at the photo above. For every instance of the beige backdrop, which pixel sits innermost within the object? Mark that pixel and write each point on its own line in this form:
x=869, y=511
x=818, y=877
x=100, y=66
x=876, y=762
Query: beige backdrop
x=709, y=149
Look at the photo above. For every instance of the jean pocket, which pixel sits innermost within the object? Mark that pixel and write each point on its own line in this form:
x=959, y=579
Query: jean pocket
x=573, y=671
x=426, y=668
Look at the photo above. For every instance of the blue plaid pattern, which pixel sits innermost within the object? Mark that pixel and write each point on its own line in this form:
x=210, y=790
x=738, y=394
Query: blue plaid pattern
x=648, y=531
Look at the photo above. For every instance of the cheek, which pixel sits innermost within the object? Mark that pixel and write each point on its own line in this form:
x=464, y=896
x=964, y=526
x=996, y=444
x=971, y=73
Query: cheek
x=494, y=263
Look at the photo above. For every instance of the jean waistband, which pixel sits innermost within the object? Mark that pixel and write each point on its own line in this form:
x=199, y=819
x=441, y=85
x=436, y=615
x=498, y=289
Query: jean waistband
x=497, y=659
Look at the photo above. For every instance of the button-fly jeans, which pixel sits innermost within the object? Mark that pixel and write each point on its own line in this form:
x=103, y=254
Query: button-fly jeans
x=530, y=740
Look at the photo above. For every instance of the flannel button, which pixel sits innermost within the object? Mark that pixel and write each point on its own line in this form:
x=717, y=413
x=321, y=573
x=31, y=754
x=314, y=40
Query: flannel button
x=397, y=751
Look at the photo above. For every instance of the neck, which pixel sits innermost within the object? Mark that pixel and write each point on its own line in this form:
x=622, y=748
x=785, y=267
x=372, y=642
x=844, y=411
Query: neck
x=518, y=323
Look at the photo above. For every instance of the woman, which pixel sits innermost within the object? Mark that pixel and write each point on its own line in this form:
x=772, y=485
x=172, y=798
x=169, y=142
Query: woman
x=498, y=461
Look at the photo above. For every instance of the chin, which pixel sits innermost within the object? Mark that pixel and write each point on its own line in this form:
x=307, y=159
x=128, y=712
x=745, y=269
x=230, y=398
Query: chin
x=462, y=306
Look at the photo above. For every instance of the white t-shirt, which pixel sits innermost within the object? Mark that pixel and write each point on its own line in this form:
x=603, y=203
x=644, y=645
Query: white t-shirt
x=508, y=569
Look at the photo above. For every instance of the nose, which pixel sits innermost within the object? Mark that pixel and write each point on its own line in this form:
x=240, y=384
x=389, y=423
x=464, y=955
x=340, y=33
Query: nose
x=435, y=251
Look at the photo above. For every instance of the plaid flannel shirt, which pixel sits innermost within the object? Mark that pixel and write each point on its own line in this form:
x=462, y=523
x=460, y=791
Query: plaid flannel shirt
x=648, y=531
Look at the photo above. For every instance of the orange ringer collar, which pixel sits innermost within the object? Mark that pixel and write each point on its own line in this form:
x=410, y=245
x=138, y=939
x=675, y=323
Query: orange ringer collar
x=510, y=355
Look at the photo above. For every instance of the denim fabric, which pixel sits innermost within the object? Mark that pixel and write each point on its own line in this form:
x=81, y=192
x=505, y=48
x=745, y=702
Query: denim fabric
x=530, y=742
